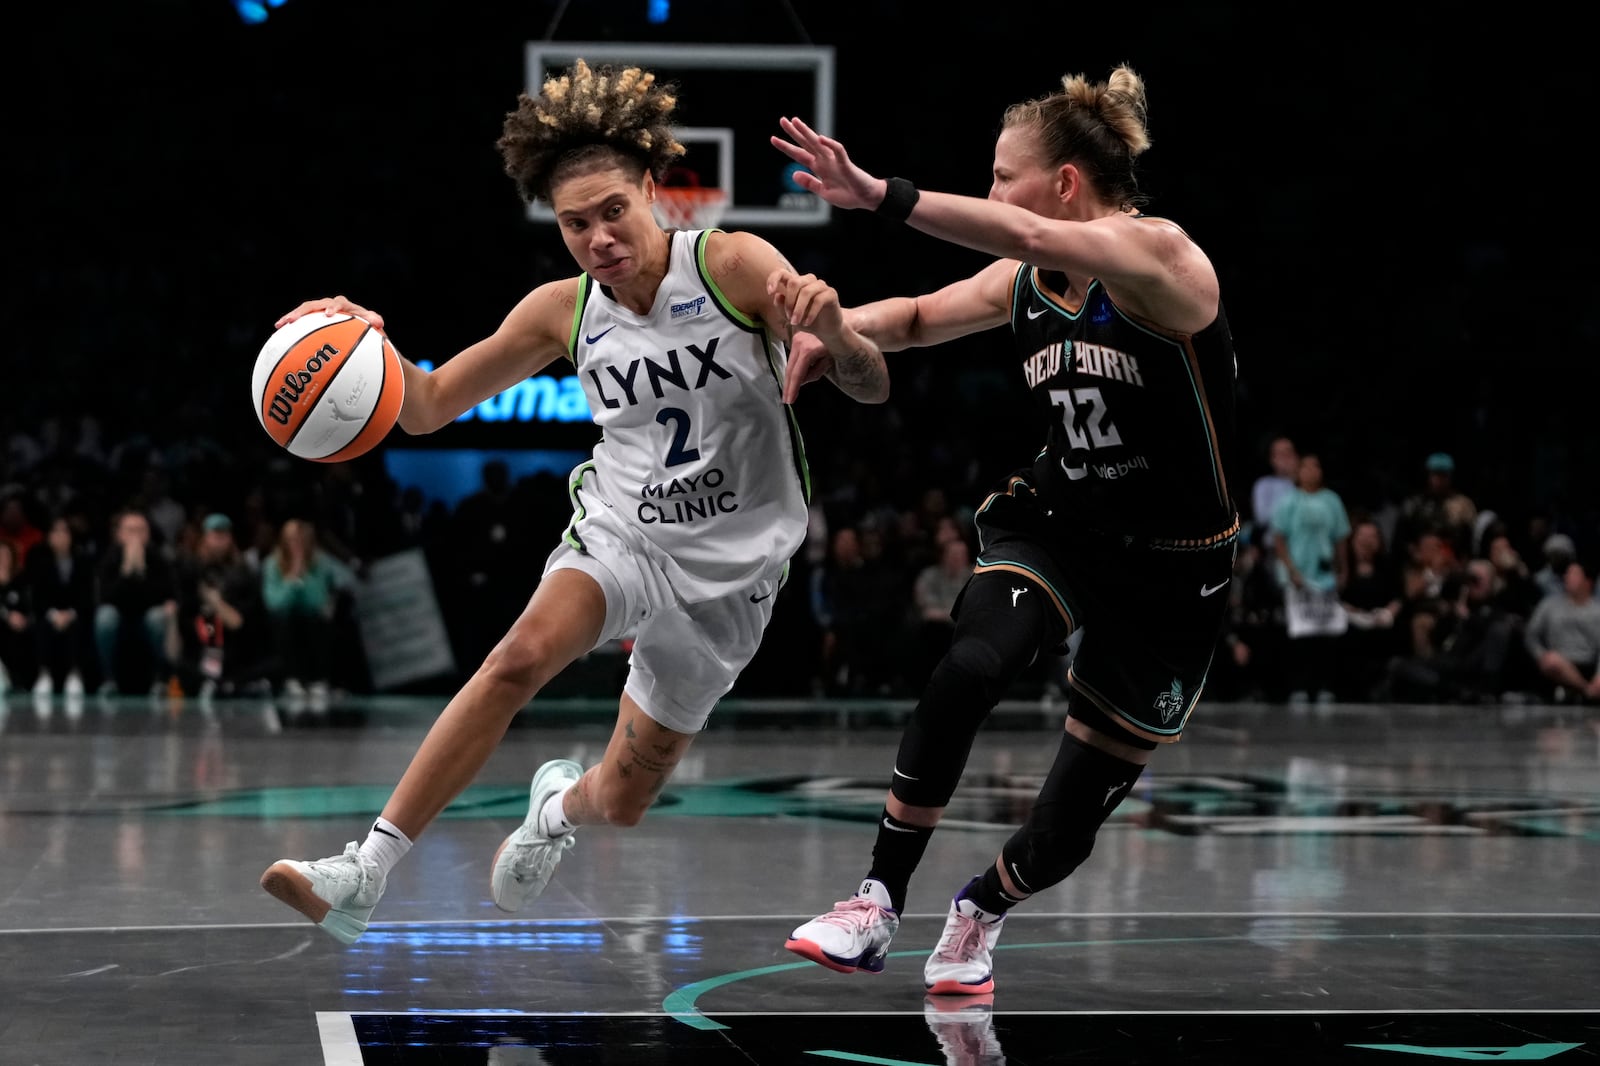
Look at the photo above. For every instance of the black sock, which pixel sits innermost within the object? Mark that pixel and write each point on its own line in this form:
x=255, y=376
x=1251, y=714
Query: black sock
x=896, y=854
x=989, y=893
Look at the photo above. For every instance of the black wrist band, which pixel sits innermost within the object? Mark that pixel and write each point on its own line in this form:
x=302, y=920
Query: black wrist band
x=899, y=199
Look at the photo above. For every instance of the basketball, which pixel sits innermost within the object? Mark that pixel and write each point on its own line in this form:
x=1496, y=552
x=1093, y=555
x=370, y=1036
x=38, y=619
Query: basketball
x=328, y=387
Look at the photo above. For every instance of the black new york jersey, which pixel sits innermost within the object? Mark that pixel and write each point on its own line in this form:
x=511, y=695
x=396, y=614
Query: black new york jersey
x=1141, y=420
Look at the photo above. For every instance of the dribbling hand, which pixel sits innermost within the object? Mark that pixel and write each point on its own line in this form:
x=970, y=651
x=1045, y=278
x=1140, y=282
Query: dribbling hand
x=334, y=305
x=809, y=360
x=832, y=176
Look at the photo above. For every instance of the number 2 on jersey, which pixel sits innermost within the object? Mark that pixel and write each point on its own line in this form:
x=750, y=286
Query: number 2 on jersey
x=677, y=454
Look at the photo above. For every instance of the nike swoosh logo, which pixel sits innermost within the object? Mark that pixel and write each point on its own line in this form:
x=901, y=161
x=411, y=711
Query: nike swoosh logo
x=908, y=777
x=1032, y=314
x=1206, y=590
x=896, y=828
x=758, y=599
x=597, y=336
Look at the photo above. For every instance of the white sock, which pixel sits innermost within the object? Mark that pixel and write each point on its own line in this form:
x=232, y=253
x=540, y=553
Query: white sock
x=553, y=816
x=385, y=845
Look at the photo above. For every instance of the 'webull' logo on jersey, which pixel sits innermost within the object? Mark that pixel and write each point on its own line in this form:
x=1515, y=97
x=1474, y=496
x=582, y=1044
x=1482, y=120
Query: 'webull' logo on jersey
x=656, y=374
x=1113, y=471
x=297, y=383
x=689, y=307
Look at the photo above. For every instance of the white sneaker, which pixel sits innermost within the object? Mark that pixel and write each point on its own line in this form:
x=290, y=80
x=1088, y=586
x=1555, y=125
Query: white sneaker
x=337, y=893
x=963, y=963
x=964, y=1027
x=854, y=935
x=74, y=686
x=527, y=858
x=44, y=686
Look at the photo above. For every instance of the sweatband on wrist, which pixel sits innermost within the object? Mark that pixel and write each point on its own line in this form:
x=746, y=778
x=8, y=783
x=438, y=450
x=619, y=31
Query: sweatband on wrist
x=898, y=200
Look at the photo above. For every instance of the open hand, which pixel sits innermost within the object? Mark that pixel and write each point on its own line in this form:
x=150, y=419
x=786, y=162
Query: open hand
x=831, y=174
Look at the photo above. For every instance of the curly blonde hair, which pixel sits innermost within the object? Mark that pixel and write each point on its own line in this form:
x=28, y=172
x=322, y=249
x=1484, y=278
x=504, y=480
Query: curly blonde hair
x=1100, y=126
x=587, y=119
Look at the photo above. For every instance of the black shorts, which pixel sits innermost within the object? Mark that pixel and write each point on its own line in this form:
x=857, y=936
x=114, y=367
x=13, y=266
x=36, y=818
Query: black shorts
x=1151, y=611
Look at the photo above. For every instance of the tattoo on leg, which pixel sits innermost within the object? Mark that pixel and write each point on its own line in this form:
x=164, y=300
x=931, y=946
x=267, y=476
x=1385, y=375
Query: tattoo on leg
x=624, y=769
x=627, y=729
x=665, y=749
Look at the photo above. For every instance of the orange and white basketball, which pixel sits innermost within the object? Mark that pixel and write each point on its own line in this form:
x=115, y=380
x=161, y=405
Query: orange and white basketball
x=328, y=387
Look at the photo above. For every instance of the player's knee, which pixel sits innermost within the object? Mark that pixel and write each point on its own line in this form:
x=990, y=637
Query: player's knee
x=520, y=661
x=1040, y=857
x=971, y=678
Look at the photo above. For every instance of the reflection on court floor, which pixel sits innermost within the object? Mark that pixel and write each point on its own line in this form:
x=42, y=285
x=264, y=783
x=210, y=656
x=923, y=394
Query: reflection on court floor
x=1349, y=885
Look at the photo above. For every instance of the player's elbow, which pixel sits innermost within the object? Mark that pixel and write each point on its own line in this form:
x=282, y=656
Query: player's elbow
x=422, y=413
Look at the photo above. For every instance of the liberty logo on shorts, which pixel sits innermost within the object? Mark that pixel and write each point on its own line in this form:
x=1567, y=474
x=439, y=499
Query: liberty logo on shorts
x=1169, y=703
x=689, y=307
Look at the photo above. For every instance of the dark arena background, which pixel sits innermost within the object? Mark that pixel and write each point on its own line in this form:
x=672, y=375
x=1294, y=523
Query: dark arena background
x=1396, y=861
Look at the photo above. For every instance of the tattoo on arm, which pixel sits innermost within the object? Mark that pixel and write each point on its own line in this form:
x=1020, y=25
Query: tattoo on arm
x=860, y=370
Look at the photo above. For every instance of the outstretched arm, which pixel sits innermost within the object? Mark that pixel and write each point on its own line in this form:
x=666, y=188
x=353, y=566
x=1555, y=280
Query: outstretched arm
x=760, y=282
x=531, y=337
x=1148, y=263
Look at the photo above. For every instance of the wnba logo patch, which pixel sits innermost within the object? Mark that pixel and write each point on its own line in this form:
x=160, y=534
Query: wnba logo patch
x=689, y=307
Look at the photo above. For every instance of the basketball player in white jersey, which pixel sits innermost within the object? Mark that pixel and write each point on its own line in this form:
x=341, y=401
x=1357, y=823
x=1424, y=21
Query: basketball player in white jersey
x=683, y=520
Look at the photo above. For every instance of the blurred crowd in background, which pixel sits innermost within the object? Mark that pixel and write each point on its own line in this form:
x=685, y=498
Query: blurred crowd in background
x=205, y=566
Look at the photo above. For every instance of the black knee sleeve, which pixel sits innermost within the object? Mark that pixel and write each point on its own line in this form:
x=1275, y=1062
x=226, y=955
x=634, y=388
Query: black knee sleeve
x=997, y=635
x=1083, y=787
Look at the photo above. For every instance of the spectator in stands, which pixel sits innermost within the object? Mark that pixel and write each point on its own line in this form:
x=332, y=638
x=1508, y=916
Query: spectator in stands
x=220, y=617
x=1469, y=646
x=1559, y=553
x=1564, y=636
x=16, y=528
x=1441, y=508
x=61, y=580
x=1283, y=459
x=300, y=589
x=1371, y=599
x=136, y=610
x=1517, y=592
x=16, y=653
x=1311, y=537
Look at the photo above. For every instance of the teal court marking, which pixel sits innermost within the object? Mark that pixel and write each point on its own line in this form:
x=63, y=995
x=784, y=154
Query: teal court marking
x=680, y=1004
x=850, y=1056
x=734, y=798
x=1521, y=1053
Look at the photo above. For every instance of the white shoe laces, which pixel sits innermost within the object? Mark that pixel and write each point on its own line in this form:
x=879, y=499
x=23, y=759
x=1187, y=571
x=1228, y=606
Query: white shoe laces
x=547, y=848
x=854, y=913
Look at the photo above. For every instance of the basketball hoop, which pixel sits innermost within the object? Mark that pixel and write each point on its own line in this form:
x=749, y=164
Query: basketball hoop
x=689, y=206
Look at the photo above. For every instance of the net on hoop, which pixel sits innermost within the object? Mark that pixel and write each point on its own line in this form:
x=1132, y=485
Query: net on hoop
x=689, y=206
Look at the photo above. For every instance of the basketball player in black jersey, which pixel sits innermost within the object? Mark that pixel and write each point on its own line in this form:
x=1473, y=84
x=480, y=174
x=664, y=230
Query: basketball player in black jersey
x=1125, y=523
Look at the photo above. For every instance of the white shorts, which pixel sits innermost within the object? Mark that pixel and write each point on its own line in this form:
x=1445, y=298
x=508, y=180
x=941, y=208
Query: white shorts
x=685, y=657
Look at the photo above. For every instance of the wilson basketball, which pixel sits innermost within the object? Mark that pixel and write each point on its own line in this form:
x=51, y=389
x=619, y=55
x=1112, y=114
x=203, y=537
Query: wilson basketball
x=328, y=387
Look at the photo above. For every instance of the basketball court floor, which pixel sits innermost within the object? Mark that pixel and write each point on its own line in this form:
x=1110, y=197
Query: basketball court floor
x=1343, y=885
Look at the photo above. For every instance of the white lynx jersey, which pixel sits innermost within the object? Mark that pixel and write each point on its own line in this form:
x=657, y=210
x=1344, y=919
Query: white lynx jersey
x=700, y=454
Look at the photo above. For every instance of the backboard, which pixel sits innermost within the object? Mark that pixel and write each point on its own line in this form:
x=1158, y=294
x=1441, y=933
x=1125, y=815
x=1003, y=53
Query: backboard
x=730, y=98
